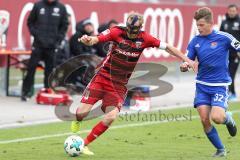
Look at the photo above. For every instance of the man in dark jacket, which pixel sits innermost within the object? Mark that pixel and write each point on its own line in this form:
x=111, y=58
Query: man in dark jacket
x=83, y=27
x=232, y=26
x=48, y=24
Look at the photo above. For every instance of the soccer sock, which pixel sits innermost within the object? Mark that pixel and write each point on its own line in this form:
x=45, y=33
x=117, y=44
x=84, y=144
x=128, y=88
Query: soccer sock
x=229, y=119
x=214, y=138
x=96, y=132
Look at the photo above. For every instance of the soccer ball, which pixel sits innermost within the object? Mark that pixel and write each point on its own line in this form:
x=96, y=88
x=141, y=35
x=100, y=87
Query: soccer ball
x=73, y=145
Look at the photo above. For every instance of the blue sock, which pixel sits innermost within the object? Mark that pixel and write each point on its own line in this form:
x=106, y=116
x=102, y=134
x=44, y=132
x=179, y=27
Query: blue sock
x=214, y=138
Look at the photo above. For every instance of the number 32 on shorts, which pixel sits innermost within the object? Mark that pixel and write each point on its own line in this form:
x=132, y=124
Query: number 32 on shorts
x=218, y=97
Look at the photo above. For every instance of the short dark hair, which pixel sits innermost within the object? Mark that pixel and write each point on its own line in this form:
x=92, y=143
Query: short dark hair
x=233, y=6
x=205, y=13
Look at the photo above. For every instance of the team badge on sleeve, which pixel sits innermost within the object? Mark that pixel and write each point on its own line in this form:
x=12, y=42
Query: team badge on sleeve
x=235, y=44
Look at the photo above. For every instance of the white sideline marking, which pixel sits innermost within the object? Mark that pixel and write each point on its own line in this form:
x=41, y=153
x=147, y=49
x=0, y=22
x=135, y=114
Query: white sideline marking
x=86, y=131
x=31, y=123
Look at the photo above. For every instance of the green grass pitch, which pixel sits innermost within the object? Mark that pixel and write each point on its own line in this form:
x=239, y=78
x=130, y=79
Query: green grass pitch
x=138, y=137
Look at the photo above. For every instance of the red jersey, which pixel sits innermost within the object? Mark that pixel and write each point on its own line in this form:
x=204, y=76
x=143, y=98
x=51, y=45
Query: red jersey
x=124, y=53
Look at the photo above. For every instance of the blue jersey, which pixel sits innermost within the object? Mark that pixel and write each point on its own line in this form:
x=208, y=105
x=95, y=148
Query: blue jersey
x=212, y=53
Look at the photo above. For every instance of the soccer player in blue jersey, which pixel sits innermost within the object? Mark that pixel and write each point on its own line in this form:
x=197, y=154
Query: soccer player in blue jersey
x=211, y=49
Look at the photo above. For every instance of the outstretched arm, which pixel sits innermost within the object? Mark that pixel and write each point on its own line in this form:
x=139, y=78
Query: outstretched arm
x=107, y=35
x=89, y=40
x=175, y=52
x=154, y=42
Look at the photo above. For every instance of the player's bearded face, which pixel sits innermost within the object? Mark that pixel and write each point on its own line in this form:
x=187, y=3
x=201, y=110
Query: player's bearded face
x=133, y=26
x=204, y=27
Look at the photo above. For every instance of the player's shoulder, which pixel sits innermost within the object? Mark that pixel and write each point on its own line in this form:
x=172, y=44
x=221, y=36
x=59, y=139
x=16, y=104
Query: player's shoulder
x=194, y=39
x=119, y=28
x=145, y=35
x=224, y=35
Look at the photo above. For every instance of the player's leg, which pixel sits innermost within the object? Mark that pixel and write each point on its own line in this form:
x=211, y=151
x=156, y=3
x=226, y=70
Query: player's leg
x=202, y=102
x=82, y=112
x=210, y=131
x=112, y=102
x=91, y=95
x=218, y=114
x=102, y=126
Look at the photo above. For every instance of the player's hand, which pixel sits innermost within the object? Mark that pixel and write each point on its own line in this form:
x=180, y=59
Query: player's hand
x=189, y=64
x=184, y=67
x=85, y=39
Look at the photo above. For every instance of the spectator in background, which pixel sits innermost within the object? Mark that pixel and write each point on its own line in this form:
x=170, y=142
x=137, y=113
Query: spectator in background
x=48, y=24
x=103, y=48
x=83, y=27
x=232, y=26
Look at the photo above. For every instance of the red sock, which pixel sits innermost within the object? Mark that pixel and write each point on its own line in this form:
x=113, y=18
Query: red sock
x=96, y=132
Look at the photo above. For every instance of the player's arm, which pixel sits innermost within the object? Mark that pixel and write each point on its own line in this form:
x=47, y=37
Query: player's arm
x=175, y=52
x=188, y=63
x=234, y=44
x=154, y=42
x=191, y=54
x=107, y=35
x=89, y=40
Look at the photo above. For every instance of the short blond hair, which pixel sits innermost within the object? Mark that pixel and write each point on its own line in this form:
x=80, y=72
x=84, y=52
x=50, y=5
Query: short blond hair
x=205, y=13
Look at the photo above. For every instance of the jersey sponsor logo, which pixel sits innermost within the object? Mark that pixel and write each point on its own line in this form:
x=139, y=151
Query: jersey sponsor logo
x=131, y=54
x=214, y=45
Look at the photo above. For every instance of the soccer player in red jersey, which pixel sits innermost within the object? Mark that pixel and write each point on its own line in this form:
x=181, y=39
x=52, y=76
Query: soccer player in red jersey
x=109, y=83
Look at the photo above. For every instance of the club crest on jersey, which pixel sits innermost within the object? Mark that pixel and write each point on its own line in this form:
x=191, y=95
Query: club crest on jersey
x=56, y=11
x=214, y=45
x=138, y=44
